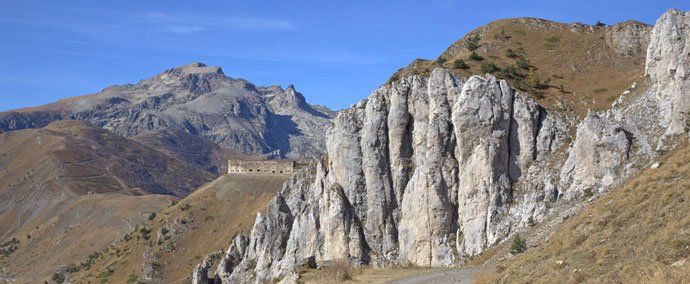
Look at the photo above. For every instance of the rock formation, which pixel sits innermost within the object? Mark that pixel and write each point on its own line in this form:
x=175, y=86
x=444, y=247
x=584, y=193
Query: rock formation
x=199, y=100
x=431, y=170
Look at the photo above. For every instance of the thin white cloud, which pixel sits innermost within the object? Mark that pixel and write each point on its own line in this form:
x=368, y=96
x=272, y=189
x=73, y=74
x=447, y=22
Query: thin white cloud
x=189, y=23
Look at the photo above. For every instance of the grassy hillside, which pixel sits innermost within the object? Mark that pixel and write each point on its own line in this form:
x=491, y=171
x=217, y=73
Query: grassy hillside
x=72, y=188
x=72, y=230
x=637, y=233
x=194, y=150
x=173, y=242
x=567, y=67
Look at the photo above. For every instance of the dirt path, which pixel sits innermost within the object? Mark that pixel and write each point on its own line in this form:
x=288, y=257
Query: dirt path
x=460, y=275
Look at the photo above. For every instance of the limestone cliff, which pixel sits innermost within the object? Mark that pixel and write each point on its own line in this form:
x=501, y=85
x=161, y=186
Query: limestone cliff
x=421, y=172
x=432, y=170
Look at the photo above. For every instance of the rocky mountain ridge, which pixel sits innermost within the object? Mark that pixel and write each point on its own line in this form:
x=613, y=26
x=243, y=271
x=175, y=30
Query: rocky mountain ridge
x=433, y=170
x=200, y=100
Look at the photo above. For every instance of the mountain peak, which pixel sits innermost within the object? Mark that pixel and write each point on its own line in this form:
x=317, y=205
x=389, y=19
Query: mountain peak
x=198, y=68
x=291, y=90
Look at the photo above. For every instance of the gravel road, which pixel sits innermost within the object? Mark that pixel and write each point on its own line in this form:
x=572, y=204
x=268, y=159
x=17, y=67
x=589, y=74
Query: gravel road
x=460, y=275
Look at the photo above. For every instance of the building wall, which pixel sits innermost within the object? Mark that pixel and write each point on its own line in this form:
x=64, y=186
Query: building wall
x=261, y=167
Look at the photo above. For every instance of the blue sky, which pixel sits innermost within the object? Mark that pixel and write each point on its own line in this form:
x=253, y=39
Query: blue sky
x=334, y=52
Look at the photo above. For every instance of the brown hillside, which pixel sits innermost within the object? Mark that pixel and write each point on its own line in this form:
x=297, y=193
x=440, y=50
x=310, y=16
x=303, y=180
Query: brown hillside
x=567, y=67
x=72, y=188
x=189, y=148
x=199, y=224
x=637, y=233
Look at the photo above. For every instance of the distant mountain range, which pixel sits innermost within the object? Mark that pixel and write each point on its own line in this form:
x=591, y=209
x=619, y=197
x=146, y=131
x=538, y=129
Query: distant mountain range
x=198, y=100
x=79, y=173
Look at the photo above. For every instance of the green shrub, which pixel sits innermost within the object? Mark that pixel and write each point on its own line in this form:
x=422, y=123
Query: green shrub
x=152, y=216
x=472, y=43
x=474, y=56
x=9, y=247
x=460, y=64
x=90, y=260
x=511, y=72
x=105, y=274
x=600, y=24
x=511, y=54
x=489, y=68
x=523, y=64
x=133, y=278
x=145, y=233
x=519, y=245
x=588, y=192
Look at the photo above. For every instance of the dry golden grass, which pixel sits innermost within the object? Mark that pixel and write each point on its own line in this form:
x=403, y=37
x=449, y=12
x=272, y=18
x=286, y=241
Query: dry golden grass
x=212, y=216
x=336, y=271
x=64, y=193
x=576, y=57
x=637, y=233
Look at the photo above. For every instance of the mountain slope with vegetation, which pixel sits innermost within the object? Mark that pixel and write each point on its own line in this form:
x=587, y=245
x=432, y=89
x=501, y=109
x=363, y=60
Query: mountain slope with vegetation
x=637, y=233
x=168, y=247
x=566, y=67
x=63, y=181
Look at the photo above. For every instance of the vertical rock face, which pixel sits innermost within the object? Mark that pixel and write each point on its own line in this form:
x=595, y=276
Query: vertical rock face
x=428, y=171
x=628, y=38
x=602, y=146
x=668, y=67
x=421, y=172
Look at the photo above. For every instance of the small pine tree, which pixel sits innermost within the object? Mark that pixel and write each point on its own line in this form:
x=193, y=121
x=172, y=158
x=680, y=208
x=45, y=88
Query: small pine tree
x=460, y=64
x=474, y=56
x=489, y=68
x=600, y=24
x=523, y=64
x=519, y=245
x=472, y=43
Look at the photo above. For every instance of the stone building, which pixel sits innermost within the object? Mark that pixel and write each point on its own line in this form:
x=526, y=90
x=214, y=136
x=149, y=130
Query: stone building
x=263, y=167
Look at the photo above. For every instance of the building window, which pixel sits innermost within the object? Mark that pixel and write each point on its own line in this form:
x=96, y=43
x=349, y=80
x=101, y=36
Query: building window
x=250, y=170
x=274, y=172
x=281, y=172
